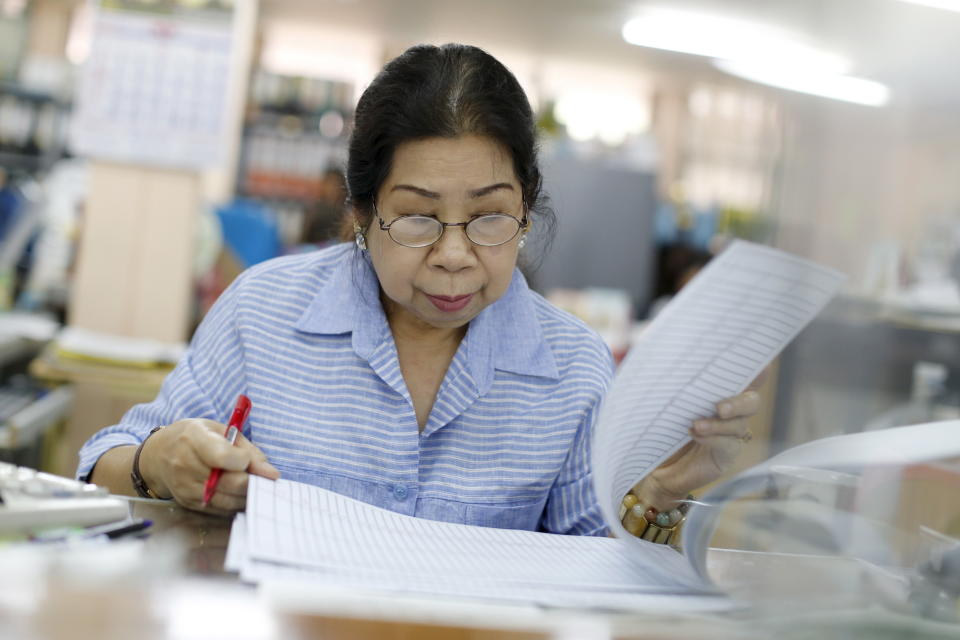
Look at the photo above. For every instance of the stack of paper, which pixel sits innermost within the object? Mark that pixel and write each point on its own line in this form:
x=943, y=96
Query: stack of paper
x=294, y=530
x=79, y=343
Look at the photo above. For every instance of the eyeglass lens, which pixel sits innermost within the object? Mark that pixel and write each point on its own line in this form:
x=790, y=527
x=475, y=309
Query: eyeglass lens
x=488, y=230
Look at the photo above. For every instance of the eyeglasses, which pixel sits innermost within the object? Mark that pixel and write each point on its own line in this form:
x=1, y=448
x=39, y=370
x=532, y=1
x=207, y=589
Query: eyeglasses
x=487, y=230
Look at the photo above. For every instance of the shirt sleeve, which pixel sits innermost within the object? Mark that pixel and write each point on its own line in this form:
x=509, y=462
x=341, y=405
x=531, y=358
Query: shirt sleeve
x=572, y=506
x=202, y=385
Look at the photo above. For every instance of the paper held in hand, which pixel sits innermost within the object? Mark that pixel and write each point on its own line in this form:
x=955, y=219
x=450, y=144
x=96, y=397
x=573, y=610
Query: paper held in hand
x=707, y=344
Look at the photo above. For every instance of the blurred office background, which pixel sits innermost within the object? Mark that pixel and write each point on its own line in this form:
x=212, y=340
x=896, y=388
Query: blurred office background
x=152, y=149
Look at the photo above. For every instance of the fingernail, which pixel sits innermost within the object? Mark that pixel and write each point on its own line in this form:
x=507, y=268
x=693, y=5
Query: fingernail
x=702, y=427
x=725, y=409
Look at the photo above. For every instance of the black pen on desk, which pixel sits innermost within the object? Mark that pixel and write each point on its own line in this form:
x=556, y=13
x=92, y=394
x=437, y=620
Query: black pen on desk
x=110, y=531
x=117, y=529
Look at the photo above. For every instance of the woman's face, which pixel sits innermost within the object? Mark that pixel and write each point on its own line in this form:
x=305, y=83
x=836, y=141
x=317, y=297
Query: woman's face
x=444, y=285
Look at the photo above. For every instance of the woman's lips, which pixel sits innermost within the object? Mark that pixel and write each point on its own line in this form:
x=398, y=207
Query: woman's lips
x=450, y=303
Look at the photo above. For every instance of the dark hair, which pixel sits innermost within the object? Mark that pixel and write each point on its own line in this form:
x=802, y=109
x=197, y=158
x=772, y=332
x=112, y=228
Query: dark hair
x=445, y=91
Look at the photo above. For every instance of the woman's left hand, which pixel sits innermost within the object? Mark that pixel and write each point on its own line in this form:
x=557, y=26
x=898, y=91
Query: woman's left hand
x=716, y=443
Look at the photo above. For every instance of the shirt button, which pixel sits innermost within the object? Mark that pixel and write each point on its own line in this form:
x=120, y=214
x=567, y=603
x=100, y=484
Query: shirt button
x=400, y=492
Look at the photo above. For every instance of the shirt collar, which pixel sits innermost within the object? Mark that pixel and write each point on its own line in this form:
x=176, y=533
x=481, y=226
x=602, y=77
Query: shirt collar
x=506, y=335
x=349, y=302
x=509, y=333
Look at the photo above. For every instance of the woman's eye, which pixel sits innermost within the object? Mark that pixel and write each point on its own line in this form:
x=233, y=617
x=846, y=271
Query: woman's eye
x=415, y=222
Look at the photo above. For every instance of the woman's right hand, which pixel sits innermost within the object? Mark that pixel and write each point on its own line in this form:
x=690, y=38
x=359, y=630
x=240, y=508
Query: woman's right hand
x=176, y=461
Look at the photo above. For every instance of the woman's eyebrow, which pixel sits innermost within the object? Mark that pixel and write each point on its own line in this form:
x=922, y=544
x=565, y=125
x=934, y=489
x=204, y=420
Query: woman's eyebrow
x=433, y=195
x=478, y=193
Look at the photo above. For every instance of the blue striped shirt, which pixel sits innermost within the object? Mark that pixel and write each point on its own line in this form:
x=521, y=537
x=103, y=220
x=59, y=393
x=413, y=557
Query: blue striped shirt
x=507, y=443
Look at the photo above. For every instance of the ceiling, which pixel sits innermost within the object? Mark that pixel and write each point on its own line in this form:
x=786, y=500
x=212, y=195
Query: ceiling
x=912, y=49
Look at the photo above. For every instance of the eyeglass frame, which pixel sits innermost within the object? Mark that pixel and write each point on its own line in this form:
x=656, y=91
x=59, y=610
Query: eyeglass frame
x=522, y=224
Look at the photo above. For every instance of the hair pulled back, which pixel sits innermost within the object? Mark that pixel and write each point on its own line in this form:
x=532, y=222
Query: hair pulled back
x=446, y=91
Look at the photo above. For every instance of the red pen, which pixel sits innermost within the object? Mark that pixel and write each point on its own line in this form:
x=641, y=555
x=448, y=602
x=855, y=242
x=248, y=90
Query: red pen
x=237, y=419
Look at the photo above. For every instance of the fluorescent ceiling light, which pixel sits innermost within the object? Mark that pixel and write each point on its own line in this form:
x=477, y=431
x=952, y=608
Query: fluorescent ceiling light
x=728, y=39
x=838, y=87
x=949, y=5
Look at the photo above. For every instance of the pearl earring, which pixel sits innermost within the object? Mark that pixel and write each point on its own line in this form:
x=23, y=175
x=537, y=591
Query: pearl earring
x=523, y=241
x=359, y=238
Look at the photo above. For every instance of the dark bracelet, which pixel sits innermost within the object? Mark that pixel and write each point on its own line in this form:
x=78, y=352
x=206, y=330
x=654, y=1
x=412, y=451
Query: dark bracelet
x=138, y=482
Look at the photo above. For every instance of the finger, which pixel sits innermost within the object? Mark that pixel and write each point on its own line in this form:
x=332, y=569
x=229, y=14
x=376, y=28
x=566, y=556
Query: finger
x=724, y=447
x=740, y=406
x=712, y=442
x=229, y=497
x=259, y=465
x=703, y=430
x=220, y=504
x=226, y=505
x=216, y=452
x=233, y=483
x=264, y=469
x=231, y=494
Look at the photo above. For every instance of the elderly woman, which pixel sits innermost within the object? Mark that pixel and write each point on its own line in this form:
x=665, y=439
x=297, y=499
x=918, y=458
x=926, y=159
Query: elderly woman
x=413, y=368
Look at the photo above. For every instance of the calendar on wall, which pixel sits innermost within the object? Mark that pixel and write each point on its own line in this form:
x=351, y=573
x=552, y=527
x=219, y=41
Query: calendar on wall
x=155, y=87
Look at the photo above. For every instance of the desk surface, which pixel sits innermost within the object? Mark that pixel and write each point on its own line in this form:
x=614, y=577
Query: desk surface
x=172, y=585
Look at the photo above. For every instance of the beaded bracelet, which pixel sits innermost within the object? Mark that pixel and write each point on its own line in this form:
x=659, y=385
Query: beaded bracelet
x=661, y=528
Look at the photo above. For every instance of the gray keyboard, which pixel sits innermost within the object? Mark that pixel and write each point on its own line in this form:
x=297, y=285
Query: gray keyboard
x=32, y=500
x=12, y=401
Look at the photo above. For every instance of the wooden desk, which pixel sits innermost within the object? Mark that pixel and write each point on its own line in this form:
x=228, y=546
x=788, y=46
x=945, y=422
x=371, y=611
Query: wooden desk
x=172, y=585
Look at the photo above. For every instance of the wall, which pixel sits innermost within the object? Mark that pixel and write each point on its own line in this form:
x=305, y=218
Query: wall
x=854, y=177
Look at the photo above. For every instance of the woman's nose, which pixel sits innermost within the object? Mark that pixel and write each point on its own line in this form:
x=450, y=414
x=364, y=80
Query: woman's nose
x=453, y=251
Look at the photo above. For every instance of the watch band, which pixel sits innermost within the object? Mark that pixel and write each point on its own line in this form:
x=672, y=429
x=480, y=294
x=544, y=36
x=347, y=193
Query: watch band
x=138, y=482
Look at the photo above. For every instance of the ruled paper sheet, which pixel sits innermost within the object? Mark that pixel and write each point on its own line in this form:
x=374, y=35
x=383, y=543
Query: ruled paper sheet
x=298, y=530
x=708, y=344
